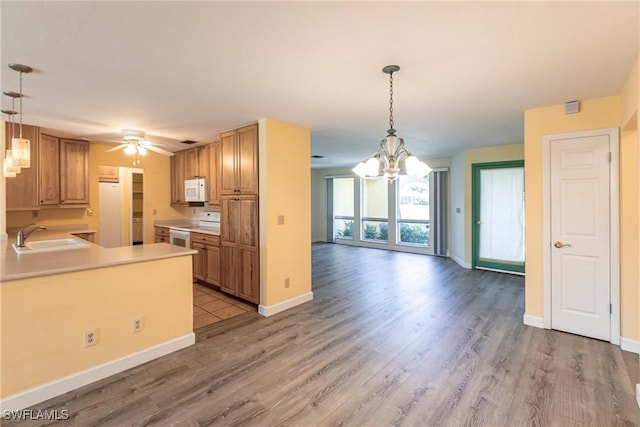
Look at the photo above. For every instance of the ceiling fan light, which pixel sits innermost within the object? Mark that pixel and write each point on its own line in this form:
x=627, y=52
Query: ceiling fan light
x=142, y=150
x=130, y=149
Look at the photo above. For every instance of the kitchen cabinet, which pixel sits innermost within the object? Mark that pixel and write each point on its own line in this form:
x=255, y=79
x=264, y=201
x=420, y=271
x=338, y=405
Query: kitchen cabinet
x=177, y=178
x=214, y=173
x=74, y=172
x=49, y=180
x=63, y=179
x=162, y=234
x=240, y=272
x=108, y=174
x=206, y=263
x=22, y=190
x=188, y=164
x=239, y=161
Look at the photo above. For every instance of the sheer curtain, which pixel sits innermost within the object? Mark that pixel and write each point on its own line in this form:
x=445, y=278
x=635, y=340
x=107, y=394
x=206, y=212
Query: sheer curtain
x=502, y=220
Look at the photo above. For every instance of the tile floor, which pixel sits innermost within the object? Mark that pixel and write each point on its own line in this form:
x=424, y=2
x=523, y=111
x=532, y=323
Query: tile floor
x=211, y=306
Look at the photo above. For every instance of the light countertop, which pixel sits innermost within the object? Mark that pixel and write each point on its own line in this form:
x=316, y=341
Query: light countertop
x=14, y=266
x=192, y=226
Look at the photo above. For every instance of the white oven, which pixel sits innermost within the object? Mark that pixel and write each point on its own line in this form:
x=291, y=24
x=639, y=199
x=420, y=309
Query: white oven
x=180, y=237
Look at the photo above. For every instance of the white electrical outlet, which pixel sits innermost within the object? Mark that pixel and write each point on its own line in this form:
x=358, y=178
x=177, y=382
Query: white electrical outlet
x=90, y=337
x=137, y=324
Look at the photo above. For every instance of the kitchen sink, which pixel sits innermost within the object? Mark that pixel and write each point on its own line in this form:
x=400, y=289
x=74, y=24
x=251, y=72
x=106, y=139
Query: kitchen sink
x=55, y=245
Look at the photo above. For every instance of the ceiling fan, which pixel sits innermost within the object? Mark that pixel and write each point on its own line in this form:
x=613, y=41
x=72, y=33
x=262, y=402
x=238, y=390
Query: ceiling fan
x=136, y=143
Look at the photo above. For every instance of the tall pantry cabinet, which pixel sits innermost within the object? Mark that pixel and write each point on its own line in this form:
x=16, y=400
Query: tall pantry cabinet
x=240, y=272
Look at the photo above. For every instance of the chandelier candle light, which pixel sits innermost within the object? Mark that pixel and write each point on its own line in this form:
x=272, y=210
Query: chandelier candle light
x=392, y=149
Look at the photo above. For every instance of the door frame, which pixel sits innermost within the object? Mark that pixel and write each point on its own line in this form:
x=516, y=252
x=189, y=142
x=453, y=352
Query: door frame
x=475, y=216
x=614, y=224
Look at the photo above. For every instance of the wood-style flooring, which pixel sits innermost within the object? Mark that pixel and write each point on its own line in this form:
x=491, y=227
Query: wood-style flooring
x=389, y=339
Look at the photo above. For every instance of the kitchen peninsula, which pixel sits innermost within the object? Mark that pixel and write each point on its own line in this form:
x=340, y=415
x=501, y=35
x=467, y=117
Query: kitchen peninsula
x=72, y=317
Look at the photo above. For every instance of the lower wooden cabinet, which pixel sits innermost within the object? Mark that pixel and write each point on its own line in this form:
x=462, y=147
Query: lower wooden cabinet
x=240, y=265
x=162, y=235
x=206, y=263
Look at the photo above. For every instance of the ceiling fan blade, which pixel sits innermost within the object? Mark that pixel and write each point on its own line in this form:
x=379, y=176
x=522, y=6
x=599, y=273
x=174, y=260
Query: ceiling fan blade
x=159, y=150
x=116, y=148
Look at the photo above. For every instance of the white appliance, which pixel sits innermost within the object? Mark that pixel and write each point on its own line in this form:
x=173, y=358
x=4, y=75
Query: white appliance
x=180, y=237
x=196, y=190
x=208, y=221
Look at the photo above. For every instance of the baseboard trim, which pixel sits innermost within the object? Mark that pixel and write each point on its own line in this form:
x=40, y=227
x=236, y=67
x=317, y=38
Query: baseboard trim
x=536, y=322
x=632, y=346
x=318, y=239
x=270, y=310
x=460, y=262
x=63, y=385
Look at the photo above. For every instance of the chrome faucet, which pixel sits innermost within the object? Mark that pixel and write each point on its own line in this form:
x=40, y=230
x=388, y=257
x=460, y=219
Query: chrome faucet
x=24, y=233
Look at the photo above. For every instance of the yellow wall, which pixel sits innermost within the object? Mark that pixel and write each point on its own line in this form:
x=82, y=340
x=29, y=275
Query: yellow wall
x=285, y=250
x=157, y=194
x=594, y=114
x=483, y=155
x=44, y=318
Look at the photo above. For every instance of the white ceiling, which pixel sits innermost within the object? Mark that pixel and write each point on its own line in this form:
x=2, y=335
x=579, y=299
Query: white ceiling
x=190, y=70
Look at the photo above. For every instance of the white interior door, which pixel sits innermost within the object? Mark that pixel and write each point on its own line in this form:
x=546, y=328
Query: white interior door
x=580, y=235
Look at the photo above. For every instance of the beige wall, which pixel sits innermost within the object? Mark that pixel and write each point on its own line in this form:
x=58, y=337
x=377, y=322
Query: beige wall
x=594, y=114
x=482, y=155
x=285, y=250
x=43, y=319
x=157, y=194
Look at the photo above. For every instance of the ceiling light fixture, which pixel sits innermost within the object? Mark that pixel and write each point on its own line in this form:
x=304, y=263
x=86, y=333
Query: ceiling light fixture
x=20, y=147
x=392, y=149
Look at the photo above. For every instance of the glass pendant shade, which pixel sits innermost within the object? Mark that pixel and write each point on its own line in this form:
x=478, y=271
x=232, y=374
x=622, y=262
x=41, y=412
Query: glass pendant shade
x=142, y=150
x=9, y=169
x=21, y=152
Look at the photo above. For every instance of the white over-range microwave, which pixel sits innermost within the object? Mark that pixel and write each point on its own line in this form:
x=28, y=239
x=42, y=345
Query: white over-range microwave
x=196, y=190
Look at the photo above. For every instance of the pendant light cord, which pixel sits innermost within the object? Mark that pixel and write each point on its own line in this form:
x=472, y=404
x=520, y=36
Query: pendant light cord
x=20, y=105
x=390, y=100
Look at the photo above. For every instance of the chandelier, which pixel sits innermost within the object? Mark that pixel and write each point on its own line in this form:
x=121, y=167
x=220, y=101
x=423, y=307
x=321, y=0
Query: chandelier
x=392, y=149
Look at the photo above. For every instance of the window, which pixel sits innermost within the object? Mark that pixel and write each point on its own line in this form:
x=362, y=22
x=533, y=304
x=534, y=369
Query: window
x=375, y=209
x=413, y=211
x=343, y=208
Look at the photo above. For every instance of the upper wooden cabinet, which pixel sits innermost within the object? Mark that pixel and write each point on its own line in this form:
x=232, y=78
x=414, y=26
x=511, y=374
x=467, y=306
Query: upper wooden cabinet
x=63, y=172
x=239, y=161
x=177, y=178
x=74, y=172
x=49, y=180
x=214, y=173
x=108, y=174
x=22, y=191
x=194, y=163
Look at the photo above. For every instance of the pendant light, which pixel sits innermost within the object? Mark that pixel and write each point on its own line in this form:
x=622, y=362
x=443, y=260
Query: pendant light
x=21, y=147
x=9, y=170
x=392, y=149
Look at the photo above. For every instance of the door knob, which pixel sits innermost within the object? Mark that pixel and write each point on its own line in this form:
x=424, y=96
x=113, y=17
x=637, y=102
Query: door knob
x=561, y=245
